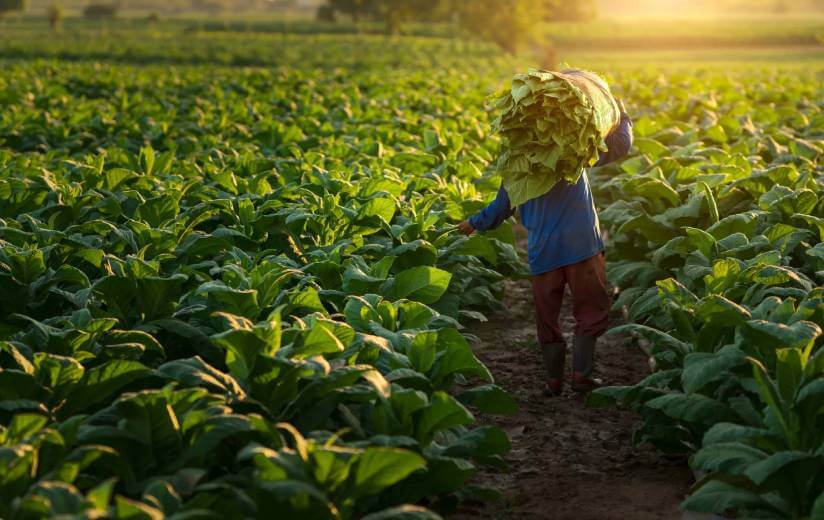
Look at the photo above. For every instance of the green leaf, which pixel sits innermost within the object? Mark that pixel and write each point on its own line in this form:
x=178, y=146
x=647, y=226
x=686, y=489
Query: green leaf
x=58, y=373
x=817, y=512
x=789, y=372
x=100, y=383
x=702, y=368
x=800, y=335
x=744, y=223
x=156, y=211
x=490, y=399
x=360, y=311
x=319, y=340
x=692, y=408
x=210, y=433
x=702, y=241
x=456, y=358
x=650, y=147
x=404, y=512
x=307, y=300
x=729, y=432
x=416, y=253
x=781, y=465
x=133, y=510
x=732, y=458
x=475, y=245
x=421, y=352
x=381, y=209
x=424, y=284
x=770, y=395
x=719, y=497
x=100, y=495
x=481, y=442
x=358, y=279
x=378, y=468
x=711, y=205
x=724, y=275
x=658, y=338
x=23, y=426
x=718, y=310
x=443, y=412
x=194, y=372
x=414, y=315
x=230, y=300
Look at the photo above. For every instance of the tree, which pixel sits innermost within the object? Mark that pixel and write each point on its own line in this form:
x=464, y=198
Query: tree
x=355, y=9
x=325, y=14
x=211, y=6
x=396, y=13
x=98, y=11
x=55, y=15
x=11, y=6
x=508, y=23
x=566, y=11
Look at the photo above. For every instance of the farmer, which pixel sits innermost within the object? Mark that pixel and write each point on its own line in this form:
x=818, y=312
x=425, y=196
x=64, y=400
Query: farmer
x=565, y=248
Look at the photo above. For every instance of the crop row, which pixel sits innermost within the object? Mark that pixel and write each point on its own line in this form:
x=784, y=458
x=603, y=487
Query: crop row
x=234, y=292
x=717, y=225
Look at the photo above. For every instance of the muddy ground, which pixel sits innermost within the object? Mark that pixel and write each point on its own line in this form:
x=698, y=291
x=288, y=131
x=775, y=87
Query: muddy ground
x=568, y=461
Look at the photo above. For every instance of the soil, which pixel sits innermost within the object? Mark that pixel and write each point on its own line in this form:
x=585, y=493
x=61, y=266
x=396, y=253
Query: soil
x=569, y=461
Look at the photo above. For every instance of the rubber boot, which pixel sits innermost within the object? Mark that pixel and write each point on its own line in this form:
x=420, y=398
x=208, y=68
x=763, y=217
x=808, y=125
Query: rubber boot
x=554, y=358
x=583, y=361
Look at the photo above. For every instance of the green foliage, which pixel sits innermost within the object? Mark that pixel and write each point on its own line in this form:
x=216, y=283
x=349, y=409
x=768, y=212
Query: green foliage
x=508, y=23
x=55, y=15
x=233, y=291
x=11, y=6
x=100, y=11
x=715, y=224
x=564, y=11
x=229, y=289
x=355, y=9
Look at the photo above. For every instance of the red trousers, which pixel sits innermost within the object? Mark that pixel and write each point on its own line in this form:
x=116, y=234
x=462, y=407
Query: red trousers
x=587, y=281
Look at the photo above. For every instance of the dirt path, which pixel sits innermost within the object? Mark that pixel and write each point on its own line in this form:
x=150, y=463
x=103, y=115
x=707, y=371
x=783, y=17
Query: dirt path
x=568, y=461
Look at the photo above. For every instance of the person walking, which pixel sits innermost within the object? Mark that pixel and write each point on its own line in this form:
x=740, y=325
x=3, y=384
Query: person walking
x=565, y=249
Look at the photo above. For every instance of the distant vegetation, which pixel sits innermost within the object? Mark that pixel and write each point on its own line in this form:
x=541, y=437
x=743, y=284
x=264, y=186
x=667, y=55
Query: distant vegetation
x=508, y=23
x=96, y=11
x=11, y=6
x=706, y=7
x=55, y=14
x=764, y=31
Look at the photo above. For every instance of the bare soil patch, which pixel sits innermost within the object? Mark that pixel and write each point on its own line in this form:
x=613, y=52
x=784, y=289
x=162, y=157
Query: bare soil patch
x=569, y=461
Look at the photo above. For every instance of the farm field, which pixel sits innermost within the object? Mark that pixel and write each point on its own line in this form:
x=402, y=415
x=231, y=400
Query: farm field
x=719, y=265
x=230, y=282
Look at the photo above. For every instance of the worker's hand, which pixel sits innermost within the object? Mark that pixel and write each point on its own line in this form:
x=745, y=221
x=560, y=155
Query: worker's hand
x=466, y=228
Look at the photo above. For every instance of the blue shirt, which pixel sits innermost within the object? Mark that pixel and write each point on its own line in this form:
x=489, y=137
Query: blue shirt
x=562, y=224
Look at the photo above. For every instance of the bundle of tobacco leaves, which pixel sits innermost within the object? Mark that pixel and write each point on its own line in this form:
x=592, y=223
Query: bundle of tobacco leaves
x=553, y=125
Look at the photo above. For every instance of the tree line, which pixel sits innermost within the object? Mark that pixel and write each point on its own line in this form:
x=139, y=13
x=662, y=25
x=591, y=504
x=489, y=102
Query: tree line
x=508, y=23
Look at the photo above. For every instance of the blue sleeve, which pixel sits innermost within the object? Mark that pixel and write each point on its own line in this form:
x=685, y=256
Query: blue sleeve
x=618, y=142
x=493, y=215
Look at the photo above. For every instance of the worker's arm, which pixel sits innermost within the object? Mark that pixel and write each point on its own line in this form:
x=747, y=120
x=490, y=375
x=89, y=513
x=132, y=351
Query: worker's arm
x=491, y=216
x=618, y=142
